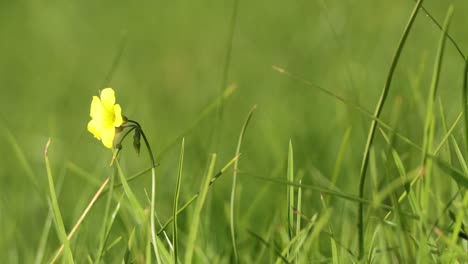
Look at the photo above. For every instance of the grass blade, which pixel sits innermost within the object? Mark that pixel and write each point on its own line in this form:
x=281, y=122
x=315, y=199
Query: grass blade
x=348, y=197
x=370, y=137
x=339, y=159
x=456, y=175
x=154, y=237
x=195, y=196
x=102, y=239
x=176, y=201
x=109, y=228
x=429, y=122
x=298, y=218
x=460, y=52
x=268, y=245
x=429, y=128
x=192, y=237
x=84, y=214
x=224, y=77
x=290, y=192
x=234, y=184
x=113, y=243
x=465, y=101
x=56, y=209
x=129, y=193
x=43, y=240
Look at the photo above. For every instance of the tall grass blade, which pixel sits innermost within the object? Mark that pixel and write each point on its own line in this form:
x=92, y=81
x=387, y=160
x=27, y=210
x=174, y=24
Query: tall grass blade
x=465, y=102
x=113, y=244
x=448, y=134
x=152, y=215
x=109, y=228
x=456, y=175
x=370, y=137
x=43, y=240
x=452, y=40
x=176, y=201
x=429, y=128
x=290, y=192
x=310, y=232
x=298, y=217
x=192, y=237
x=429, y=122
x=129, y=193
x=226, y=67
x=84, y=214
x=460, y=157
x=459, y=220
x=339, y=159
x=195, y=196
x=56, y=209
x=234, y=184
x=102, y=239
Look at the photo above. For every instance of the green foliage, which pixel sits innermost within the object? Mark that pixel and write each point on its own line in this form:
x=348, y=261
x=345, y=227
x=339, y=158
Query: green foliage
x=189, y=72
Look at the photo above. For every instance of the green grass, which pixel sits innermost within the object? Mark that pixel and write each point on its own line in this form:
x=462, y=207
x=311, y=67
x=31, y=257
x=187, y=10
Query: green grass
x=356, y=151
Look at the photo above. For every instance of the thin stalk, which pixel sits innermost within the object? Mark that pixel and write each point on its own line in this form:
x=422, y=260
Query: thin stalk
x=457, y=47
x=370, y=137
x=234, y=184
x=119, y=144
x=153, y=196
x=298, y=218
x=224, y=77
x=290, y=193
x=176, y=201
x=153, y=189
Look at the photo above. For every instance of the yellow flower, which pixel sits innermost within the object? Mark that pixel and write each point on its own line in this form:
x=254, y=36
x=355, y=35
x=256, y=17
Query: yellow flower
x=106, y=115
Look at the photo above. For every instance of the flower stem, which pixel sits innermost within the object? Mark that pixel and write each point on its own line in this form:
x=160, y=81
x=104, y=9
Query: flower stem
x=153, y=188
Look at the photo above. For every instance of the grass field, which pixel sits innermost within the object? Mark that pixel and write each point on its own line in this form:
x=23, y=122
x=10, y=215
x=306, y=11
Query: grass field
x=283, y=131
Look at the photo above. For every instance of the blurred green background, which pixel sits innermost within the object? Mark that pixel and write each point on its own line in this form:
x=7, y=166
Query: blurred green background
x=55, y=55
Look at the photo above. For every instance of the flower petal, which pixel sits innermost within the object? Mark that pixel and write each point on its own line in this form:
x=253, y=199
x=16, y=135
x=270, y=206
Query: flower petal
x=108, y=98
x=95, y=129
x=96, y=108
x=118, y=115
x=107, y=136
